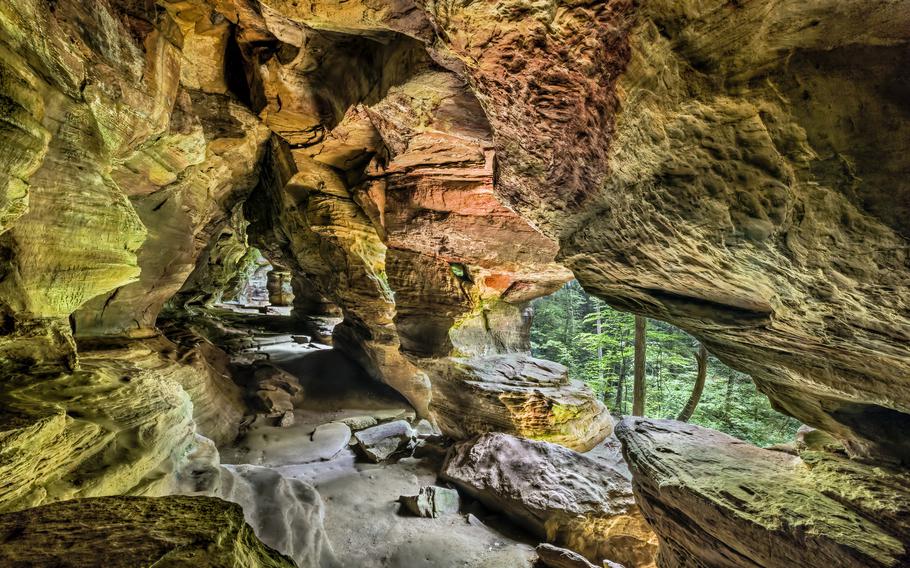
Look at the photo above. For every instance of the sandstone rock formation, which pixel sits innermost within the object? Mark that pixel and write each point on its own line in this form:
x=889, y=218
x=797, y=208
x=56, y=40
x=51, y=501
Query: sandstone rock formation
x=274, y=391
x=555, y=557
x=286, y=514
x=736, y=168
x=135, y=531
x=717, y=501
x=102, y=430
x=380, y=442
x=520, y=395
x=557, y=494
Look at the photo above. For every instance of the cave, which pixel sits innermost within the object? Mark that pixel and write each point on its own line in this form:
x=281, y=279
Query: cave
x=270, y=272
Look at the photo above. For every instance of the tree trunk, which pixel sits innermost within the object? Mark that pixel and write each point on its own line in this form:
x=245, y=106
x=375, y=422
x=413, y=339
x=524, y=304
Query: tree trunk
x=660, y=381
x=619, y=389
x=638, y=390
x=600, y=347
x=702, y=359
x=620, y=395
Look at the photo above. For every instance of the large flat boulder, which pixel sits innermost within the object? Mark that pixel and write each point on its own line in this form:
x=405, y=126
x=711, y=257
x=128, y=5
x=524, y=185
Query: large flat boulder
x=517, y=394
x=717, y=501
x=557, y=494
x=124, y=532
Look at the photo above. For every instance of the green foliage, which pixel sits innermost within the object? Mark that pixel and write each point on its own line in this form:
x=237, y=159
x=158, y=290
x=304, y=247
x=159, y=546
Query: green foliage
x=565, y=330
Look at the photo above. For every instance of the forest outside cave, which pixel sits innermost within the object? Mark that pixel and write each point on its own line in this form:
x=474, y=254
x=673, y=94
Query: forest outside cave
x=565, y=329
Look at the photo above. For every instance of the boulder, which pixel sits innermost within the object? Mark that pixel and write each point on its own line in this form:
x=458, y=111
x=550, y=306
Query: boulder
x=380, y=442
x=516, y=394
x=555, y=557
x=714, y=500
x=431, y=501
x=557, y=494
x=286, y=514
x=124, y=532
x=275, y=392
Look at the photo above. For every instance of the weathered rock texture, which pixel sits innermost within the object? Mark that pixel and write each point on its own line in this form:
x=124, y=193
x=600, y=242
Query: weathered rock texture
x=286, y=514
x=559, y=495
x=736, y=168
x=750, y=193
x=555, y=557
x=94, y=432
x=717, y=501
x=520, y=395
x=135, y=531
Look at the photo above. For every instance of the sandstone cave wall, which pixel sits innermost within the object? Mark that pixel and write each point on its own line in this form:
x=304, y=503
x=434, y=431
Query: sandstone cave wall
x=738, y=169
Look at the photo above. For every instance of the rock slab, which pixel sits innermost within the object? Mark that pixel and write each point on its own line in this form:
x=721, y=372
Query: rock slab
x=379, y=442
x=557, y=494
x=124, y=532
x=555, y=557
x=717, y=501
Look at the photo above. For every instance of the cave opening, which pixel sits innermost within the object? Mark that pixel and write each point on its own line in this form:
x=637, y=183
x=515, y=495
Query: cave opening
x=597, y=344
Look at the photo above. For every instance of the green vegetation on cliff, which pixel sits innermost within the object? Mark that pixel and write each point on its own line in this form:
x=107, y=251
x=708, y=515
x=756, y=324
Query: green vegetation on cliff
x=565, y=330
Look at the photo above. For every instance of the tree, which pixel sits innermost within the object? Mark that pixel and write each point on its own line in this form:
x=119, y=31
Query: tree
x=565, y=329
x=701, y=359
x=638, y=387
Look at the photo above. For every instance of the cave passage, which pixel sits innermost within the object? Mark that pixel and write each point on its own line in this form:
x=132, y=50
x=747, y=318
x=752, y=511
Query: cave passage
x=486, y=284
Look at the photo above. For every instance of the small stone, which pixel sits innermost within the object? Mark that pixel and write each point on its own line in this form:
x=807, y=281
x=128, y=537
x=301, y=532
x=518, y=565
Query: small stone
x=287, y=419
x=431, y=501
x=473, y=521
x=425, y=429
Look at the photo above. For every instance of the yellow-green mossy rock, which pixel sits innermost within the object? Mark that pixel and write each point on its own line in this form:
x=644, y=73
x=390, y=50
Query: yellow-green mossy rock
x=560, y=496
x=127, y=532
x=718, y=501
x=516, y=394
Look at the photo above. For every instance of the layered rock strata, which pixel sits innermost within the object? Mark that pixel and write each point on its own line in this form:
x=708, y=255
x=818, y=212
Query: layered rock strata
x=520, y=395
x=735, y=168
x=714, y=500
x=559, y=495
x=135, y=531
x=94, y=432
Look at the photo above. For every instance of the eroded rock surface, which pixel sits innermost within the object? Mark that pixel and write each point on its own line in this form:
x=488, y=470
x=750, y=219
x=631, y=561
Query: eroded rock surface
x=380, y=442
x=559, y=495
x=135, y=531
x=520, y=395
x=287, y=514
x=735, y=168
x=92, y=433
x=714, y=500
x=555, y=557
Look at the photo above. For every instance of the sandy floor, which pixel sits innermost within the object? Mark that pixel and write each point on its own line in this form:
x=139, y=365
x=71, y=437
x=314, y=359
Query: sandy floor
x=362, y=513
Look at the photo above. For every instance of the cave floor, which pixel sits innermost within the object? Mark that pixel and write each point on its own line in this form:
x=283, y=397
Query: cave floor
x=362, y=517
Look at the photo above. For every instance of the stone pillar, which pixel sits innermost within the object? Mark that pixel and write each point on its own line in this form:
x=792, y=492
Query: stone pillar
x=279, y=287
